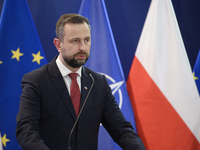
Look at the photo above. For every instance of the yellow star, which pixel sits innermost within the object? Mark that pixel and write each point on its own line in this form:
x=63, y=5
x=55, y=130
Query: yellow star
x=195, y=78
x=1, y=62
x=16, y=54
x=4, y=140
x=37, y=57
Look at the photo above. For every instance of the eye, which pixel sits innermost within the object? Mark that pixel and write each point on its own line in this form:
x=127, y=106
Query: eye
x=87, y=39
x=75, y=40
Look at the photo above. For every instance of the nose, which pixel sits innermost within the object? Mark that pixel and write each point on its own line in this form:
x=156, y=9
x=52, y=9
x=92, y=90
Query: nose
x=82, y=46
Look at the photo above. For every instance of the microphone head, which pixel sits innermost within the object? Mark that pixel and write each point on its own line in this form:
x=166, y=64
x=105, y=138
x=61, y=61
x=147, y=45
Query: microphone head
x=88, y=72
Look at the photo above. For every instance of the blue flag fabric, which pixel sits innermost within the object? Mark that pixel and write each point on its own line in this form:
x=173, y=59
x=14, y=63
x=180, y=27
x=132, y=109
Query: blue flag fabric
x=20, y=52
x=104, y=59
x=196, y=72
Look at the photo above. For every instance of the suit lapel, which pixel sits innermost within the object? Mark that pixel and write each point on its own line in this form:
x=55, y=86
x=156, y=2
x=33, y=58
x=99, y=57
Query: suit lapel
x=85, y=85
x=59, y=83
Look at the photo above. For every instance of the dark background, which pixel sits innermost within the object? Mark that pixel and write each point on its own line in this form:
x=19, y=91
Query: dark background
x=127, y=19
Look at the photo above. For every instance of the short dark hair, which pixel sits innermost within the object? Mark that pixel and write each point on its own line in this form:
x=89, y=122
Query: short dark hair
x=68, y=18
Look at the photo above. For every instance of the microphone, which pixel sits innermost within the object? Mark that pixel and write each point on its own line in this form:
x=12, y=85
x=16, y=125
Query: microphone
x=69, y=147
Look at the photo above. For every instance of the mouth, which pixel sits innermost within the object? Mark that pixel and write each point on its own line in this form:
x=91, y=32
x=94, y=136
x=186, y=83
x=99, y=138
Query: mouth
x=80, y=56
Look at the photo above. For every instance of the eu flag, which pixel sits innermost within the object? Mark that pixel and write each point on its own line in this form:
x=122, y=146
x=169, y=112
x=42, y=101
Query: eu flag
x=196, y=72
x=20, y=52
x=104, y=59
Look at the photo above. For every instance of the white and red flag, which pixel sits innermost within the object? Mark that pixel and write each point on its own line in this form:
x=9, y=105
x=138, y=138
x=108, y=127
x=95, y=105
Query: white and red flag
x=161, y=87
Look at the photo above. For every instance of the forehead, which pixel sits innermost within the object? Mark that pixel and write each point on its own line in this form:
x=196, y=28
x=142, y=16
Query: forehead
x=74, y=30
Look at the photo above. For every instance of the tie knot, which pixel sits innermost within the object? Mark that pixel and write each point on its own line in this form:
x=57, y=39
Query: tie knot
x=73, y=76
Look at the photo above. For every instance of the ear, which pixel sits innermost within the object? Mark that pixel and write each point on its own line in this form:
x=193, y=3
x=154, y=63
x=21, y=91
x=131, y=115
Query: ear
x=57, y=43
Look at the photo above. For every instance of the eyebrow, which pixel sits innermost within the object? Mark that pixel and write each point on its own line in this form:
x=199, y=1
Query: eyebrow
x=80, y=38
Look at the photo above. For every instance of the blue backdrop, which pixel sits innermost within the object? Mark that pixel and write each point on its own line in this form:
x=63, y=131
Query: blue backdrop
x=126, y=18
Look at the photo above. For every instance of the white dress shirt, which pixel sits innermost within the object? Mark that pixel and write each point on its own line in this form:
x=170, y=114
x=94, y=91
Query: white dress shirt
x=65, y=74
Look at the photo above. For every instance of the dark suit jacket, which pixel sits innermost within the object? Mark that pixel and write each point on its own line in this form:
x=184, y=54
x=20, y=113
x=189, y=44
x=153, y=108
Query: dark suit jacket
x=46, y=114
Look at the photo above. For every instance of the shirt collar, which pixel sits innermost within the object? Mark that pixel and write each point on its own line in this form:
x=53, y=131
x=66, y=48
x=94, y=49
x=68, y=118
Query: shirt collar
x=64, y=70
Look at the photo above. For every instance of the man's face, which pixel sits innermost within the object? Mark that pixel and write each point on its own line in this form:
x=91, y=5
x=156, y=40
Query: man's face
x=75, y=47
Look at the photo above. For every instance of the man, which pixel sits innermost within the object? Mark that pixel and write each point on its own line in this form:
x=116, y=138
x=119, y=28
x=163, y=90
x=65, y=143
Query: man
x=48, y=111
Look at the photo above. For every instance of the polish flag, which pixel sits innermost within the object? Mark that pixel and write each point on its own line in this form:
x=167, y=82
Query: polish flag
x=161, y=87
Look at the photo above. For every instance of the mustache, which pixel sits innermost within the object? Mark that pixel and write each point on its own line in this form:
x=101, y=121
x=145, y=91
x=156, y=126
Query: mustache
x=80, y=53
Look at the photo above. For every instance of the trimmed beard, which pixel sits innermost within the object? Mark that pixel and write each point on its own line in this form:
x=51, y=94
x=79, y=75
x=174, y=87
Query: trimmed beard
x=74, y=63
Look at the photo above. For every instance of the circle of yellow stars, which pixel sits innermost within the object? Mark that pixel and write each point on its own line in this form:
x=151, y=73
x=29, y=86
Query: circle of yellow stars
x=16, y=54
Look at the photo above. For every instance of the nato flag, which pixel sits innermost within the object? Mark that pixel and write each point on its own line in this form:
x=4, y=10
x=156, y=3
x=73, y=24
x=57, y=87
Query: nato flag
x=104, y=59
